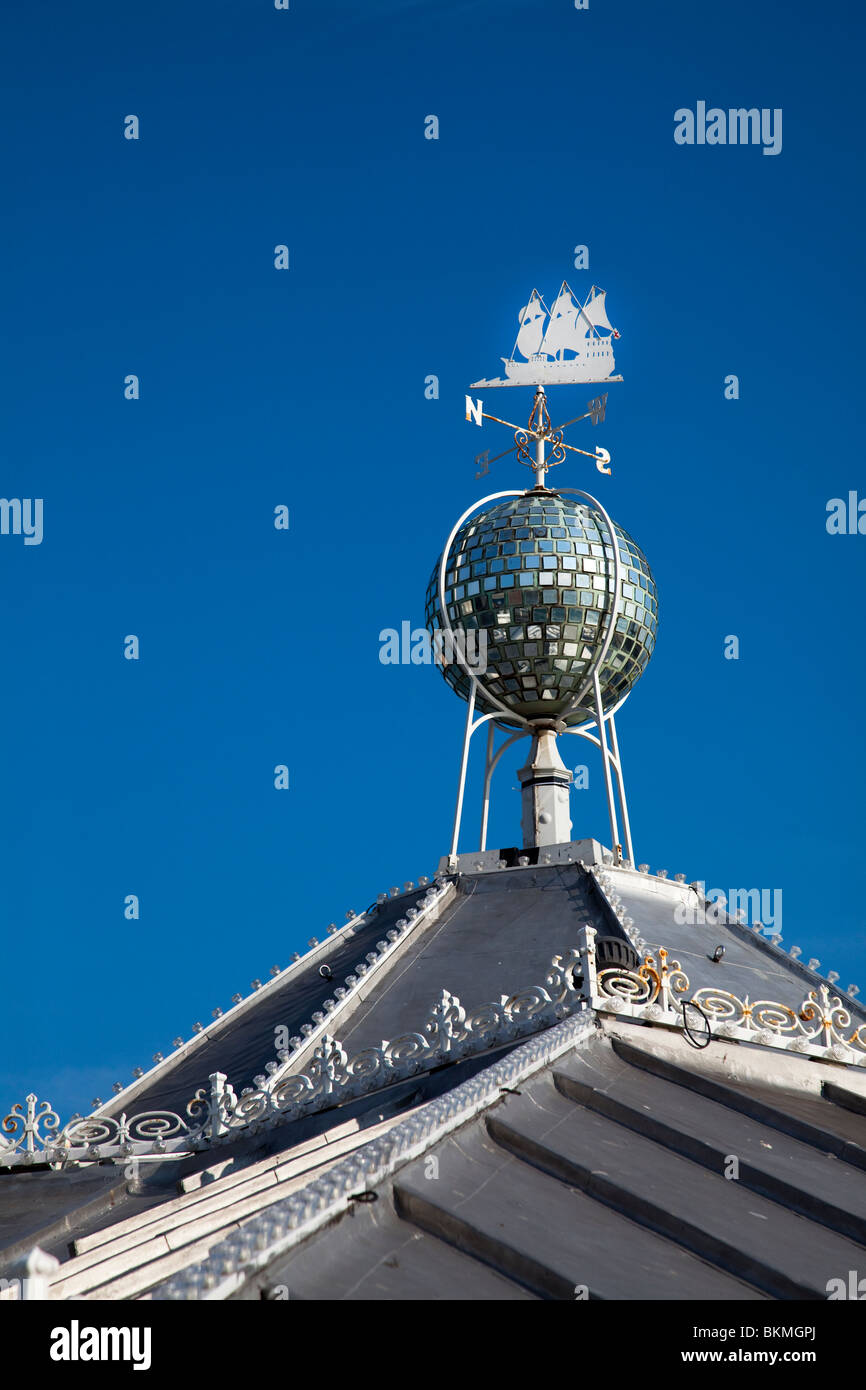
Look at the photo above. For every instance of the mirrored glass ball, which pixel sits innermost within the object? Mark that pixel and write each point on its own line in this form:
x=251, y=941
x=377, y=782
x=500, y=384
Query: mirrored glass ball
x=529, y=591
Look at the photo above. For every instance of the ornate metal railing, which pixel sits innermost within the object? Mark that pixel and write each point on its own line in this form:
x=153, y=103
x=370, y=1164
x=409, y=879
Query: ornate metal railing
x=657, y=991
x=217, y=1113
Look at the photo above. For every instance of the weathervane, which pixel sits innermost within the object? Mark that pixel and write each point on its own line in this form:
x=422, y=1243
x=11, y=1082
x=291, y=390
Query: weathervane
x=561, y=598
x=543, y=339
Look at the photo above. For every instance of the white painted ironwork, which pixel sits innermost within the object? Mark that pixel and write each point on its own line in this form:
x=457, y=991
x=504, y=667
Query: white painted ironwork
x=654, y=992
x=285, y=1224
x=610, y=756
x=216, y=1114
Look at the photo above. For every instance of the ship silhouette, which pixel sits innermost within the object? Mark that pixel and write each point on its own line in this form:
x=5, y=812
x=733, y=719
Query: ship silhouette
x=572, y=342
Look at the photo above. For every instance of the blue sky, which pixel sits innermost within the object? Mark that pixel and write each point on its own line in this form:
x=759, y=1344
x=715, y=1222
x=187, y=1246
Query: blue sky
x=259, y=387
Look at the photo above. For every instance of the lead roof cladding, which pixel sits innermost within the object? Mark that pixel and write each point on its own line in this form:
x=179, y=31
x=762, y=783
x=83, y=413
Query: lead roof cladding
x=240, y=1044
x=495, y=936
x=751, y=965
x=603, y=1176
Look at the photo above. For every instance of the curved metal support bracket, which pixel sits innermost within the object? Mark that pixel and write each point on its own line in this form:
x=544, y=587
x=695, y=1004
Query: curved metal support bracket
x=610, y=755
x=443, y=612
x=490, y=769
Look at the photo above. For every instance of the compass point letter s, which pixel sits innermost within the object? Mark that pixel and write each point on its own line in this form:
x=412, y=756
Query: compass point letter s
x=602, y=459
x=473, y=410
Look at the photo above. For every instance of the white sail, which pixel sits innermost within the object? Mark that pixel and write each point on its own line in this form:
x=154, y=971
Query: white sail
x=563, y=332
x=531, y=327
x=595, y=312
x=571, y=343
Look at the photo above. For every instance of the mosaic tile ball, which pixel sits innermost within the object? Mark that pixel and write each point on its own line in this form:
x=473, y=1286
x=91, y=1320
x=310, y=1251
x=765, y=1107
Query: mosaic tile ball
x=536, y=574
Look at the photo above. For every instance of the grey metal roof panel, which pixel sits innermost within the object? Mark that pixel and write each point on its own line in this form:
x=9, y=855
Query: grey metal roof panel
x=31, y=1201
x=241, y=1044
x=800, y=1155
x=603, y=1174
x=751, y=965
x=54, y=1209
x=500, y=935
x=546, y=1234
x=805, y=1116
x=813, y=1183
x=371, y=1254
x=712, y=1216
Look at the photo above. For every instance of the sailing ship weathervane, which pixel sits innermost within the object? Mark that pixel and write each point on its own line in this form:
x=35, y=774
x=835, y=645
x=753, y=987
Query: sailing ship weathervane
x=559, y=597
x=570, y=344
x=546, y=335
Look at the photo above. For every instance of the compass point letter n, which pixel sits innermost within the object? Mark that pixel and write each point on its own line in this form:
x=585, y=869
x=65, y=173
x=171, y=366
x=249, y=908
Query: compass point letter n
x=474, y=410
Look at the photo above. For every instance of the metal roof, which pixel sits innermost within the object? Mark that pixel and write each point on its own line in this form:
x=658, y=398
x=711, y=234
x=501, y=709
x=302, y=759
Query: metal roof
x=586, y=1154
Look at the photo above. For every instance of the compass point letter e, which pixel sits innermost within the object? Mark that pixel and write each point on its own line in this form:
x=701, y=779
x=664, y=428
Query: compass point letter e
x=473, y=410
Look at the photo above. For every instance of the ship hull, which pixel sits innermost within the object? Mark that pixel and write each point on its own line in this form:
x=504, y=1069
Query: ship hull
x=595, y=367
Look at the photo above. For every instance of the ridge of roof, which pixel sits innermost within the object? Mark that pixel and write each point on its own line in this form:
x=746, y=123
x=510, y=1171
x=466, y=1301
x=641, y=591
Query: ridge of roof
x=317, y=951
x=753, y=935
x=288, y=1223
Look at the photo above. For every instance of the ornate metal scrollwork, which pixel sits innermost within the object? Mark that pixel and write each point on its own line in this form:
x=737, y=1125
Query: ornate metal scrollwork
x=657, y=991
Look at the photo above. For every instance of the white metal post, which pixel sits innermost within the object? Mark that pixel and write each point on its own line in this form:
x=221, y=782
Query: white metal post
x=488, y=776
x=458, y=812
x=485, y=799
x=540, y=467
x=629, y=848
x=611, y=807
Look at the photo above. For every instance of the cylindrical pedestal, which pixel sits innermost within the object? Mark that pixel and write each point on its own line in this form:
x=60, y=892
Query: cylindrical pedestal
x=544, y=782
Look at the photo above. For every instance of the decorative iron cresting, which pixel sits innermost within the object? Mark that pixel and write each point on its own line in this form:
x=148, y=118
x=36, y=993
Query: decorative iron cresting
x=654, y=993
